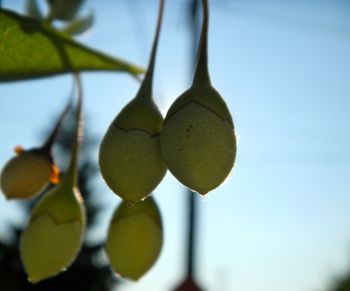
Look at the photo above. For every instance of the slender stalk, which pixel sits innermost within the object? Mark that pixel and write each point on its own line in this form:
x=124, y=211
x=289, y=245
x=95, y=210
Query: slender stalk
x=47, y=147
x=202, y=74
x=72, y=172
x=145, y=91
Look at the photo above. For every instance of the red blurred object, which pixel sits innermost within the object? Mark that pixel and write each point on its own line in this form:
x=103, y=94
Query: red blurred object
x=188, y=285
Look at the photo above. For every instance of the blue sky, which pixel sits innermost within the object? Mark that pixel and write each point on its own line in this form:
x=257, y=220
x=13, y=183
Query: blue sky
x=282, y=221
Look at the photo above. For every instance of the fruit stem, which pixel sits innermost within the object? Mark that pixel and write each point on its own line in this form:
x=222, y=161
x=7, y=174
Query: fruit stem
x=47, y=147
x=201, y=74
x=71, y=175
x=145, y=91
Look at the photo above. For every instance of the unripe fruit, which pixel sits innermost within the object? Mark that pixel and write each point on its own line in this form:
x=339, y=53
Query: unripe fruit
x=129, y=157
x=198, y=141
x=130, y=160
x=53, y=237
x=27, y=174
x=135, y=238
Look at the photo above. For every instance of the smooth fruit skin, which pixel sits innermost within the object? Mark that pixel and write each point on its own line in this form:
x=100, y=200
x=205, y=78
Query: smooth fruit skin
x=48, y=248
x=53, y=237
x=198, y=141
x=25, y=175
x=129, y=158
x=135, y=238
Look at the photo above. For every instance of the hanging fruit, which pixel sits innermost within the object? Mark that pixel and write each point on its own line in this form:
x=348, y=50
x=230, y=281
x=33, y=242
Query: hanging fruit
x=29, y=172
x=53, y=236
x=198, y=140
x=135, y=238
x=129, y=157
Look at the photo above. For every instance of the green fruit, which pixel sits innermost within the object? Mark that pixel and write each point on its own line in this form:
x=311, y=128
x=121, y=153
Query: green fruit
x=53, y=237
x=198, y=144
x=198, y=141
x=26, y=174
x=129, y=157
x=135, y=238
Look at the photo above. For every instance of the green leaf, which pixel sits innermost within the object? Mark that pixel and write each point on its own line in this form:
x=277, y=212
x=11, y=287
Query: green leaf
x=80, y=25
x=30, y=49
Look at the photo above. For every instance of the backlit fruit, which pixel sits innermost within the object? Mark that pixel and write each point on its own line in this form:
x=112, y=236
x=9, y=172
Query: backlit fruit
x=27, y=174
x=53, y=237
x=129, y=157
x=198, y=140
x=135, y=238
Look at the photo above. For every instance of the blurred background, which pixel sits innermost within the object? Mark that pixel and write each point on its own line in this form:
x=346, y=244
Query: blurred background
x=282, y=220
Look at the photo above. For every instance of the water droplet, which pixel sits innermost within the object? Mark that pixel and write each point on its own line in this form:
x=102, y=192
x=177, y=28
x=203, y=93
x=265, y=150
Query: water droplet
x=144, y=198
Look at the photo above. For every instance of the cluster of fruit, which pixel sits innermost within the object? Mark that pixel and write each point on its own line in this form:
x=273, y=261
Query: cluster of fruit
x=54, y=234
x=196, y=141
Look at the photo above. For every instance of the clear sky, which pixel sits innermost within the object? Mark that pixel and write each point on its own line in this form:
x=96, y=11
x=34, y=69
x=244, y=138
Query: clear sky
x=282, y=221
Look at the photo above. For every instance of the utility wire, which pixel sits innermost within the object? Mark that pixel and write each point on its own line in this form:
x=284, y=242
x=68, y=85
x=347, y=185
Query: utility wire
x=275, y=17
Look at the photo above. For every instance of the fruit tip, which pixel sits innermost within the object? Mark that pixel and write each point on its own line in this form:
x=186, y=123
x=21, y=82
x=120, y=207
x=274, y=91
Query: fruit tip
x=203, y=193
x=33, y=280
x=133, y=277
x=8, y=198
